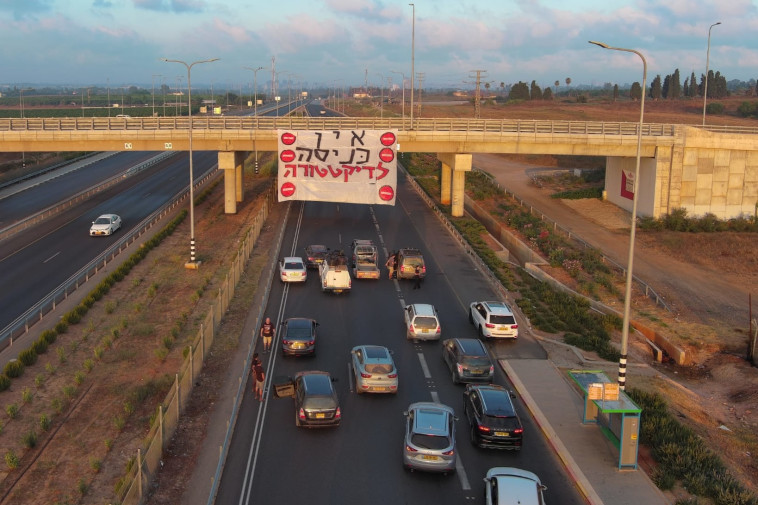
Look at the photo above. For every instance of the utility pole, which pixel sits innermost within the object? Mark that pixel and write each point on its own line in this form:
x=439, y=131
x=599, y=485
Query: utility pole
x=420, y=76
x=477, y=93
x=273, y=77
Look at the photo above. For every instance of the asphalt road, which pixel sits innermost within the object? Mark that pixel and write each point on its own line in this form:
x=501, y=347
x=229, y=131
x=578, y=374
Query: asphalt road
x=43, y=257
x=272, y=461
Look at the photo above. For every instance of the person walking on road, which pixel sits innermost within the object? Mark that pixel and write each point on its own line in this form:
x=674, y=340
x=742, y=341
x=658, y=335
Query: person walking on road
x=267, y=334
x=417, y=278
x=259, y=378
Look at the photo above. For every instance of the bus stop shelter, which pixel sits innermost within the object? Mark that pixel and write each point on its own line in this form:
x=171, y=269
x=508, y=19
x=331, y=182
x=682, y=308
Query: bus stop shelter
x=616, y=414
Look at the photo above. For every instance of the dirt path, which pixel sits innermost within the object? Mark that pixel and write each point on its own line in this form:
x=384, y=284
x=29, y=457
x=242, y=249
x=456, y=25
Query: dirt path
x=703, y=291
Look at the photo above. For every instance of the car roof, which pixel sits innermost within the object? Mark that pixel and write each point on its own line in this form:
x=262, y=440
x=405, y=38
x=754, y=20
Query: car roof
x=359, y=241
x=515, y=486
x=471, y=346
x=297, y=259
x=431, y=418
x=423, y=309
x=497, y=307
x=316, y=382
x=107, y=216
x=375, y=353
x=496, y=400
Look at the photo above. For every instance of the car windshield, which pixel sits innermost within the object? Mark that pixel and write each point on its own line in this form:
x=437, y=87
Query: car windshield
x=299, y=329
x=378, y=368
x=475, y=361
x=425, y=322
x=506, y=423
x=498, y=319
x=319, y=403
x=103, y=220
x=433, y=442
x=293, y=265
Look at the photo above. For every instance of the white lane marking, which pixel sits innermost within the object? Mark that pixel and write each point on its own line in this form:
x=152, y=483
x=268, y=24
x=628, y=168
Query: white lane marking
x=51, y=257
x=435, y=397
x=424, y=367
x=462, y=474
x=350, y=376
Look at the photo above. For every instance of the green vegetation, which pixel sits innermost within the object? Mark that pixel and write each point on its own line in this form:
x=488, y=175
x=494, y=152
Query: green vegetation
x=677, y=220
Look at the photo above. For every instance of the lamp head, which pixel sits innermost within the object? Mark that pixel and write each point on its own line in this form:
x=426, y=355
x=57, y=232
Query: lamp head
x=601, y=44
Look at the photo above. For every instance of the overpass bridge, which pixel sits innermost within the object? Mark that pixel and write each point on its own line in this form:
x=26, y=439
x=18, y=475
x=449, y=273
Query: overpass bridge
x=704, y=170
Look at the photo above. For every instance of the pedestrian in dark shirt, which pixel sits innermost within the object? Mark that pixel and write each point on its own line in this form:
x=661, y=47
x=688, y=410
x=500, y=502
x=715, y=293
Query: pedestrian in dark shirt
x=259, y=378
x=417, y=278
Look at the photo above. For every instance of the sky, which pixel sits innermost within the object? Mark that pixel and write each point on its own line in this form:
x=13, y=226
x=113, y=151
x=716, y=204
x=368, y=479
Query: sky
x=342, y=43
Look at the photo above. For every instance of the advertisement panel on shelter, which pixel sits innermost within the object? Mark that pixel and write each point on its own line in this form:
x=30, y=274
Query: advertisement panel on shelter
x=343, y=166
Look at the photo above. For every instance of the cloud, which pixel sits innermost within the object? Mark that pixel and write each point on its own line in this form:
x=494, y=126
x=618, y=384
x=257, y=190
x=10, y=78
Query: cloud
x=21, y=9
x=178, y=6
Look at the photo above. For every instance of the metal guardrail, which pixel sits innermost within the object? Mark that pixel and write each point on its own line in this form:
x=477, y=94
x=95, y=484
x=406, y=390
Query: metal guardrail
x=521, y=126
x=32, y=220
x=43, y=171
x=33, y=315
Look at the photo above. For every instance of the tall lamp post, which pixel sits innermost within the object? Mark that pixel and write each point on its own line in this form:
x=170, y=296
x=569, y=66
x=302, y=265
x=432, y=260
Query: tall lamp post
x=635, y=186
x=403, y=75
x=381, y=97
x=192, y=263
x=707, y=57
x=413, y=58
x=154, y=76
x=255, y=109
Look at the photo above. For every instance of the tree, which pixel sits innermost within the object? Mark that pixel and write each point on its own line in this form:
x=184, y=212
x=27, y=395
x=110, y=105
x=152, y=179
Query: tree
x=558, y=83
x=665, y=87
x=655, y=88
x=686, y=90
x=635, y=93
x=536, y=91
x=675, y=88
x=615, y=92
x=519, y=91
x=547, y=94
x=568, y=84
x=502, y=88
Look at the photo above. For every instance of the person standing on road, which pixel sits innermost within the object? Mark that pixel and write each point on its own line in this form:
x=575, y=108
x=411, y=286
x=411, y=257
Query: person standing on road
x=259, y=378
x=417, y=278
x=391, y=265
x=267, y=334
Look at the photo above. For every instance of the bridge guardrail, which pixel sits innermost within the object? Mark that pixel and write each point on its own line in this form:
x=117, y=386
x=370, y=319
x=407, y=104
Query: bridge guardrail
x=35, y=314
x=555, y=127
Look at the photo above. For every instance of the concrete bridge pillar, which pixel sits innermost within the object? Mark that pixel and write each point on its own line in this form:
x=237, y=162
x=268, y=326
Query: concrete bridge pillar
x=231, y=162
x=457, y=166
x=445, y=180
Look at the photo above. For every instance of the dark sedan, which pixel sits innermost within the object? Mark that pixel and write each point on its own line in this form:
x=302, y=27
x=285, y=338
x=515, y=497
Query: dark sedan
x=467, y=360
x=299, y=336
x=314, y=255
x=316, y=402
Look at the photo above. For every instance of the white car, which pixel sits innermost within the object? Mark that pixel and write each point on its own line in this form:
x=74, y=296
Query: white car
x=374, y=369
x=493, y=320
x=292, y=269
x=422, y=322
x=105, y=225
x=512, y=486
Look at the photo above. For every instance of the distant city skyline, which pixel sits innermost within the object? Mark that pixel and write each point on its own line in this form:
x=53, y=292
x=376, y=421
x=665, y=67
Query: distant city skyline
x=349, y=43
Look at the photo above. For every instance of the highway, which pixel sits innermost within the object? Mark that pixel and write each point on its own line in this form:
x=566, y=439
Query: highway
x=272, y=461
x=44, y=256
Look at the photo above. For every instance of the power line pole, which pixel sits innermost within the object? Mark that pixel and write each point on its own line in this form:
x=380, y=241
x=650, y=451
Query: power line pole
x=420, y=76
x=477, y=93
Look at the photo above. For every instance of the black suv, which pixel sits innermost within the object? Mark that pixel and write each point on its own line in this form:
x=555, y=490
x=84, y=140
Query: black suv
x=316, y=402
x=407, y=261
x=493, y=419
x=467, y=360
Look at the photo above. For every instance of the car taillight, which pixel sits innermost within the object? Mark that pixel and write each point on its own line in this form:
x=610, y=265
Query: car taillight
x=489, y=325
x=285, y=341
x=449, y=453
x=311, y=342
x=365, y=375
x=514, y=327
x=423, y=269
x=301, y=414
x=492, y=369
x=412, y=329
x=438, y=330
x=410, y=449
x=392, y=376
x=484, y=429
x=338, y=414
x=518, y=431
x=460, y=368
x=350, y=283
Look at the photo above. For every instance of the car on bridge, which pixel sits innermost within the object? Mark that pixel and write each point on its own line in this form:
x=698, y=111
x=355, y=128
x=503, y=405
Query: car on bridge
x=106, y=224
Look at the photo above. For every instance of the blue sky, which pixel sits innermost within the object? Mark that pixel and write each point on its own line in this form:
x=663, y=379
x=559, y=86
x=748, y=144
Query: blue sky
x=323, y=42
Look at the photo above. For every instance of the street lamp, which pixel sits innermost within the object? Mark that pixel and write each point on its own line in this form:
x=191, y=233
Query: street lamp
x=255, y=109
x=192, y=263
x=635, y=185
x=403, y=75
x=154, y=76
x=381, y=97
x=707, y=57
x=413, y=58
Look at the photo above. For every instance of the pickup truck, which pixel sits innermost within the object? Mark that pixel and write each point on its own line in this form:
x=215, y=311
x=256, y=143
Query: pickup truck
x=335, y=276
x=365, y=259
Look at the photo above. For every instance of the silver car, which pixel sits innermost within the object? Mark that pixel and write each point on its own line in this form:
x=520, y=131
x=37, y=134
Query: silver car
x=512, y=486
x=292, y=269
x=374, y=369
x=430, y=438
x=422, y=322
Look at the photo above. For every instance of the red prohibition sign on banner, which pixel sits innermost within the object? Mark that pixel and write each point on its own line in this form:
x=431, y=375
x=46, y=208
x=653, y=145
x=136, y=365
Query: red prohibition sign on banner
x=386, y=155
x=288, y=138
x=387, y=139
x=287, y=189
x=287, y=156
x=386, y=193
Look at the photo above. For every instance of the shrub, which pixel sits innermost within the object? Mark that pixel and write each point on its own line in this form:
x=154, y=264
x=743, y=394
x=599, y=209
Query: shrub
x=14, y=368
x=95, y=464
x=79, y=377
x=11, y=460
x=5, y=382
x=110, y=306
x=49, y=336
x=39, y=380
x=88, y=365
x=28, y=357
x=12, y=410
x=61, y=352
x=40, y=346
x=69, y=391
x=44, y=422
x=27, y=395
x=61, y=327
x=30, y=439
